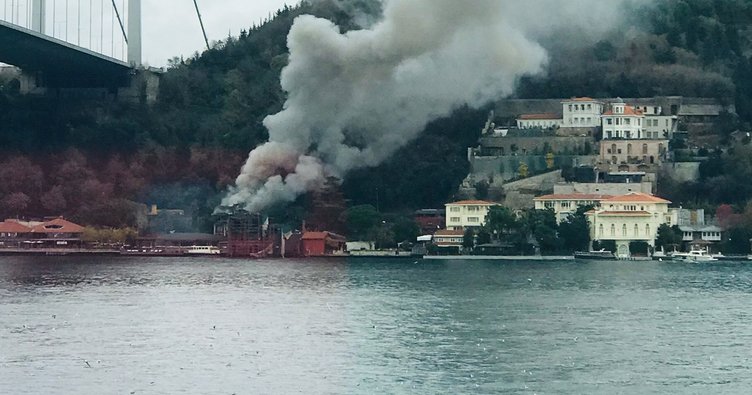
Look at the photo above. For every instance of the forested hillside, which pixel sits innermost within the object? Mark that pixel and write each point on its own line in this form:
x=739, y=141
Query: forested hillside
x=90, y=159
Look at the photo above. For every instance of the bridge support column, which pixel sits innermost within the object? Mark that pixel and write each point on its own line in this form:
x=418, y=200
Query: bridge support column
x=134, y=32
x=38, y=15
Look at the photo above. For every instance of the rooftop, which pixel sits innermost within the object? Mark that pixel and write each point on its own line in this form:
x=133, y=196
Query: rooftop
x=574, y=196
x=546, y=116
x=635, y=197
x=472, y=203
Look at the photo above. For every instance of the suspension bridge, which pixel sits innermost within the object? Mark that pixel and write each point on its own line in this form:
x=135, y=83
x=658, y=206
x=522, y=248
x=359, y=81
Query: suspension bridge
x=72, y=43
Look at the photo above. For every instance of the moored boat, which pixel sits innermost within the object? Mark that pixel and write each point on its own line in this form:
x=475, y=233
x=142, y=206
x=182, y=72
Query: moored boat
x=693, y=256
x=599, y=255
x=203, y=250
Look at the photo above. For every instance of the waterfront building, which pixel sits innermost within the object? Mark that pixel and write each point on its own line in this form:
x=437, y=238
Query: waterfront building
x=634, y=217
x=467, y=214
x=697, y=229
x=449, y=239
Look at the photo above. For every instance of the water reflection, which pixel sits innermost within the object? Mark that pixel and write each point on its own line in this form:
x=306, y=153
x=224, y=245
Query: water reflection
x=370, y=326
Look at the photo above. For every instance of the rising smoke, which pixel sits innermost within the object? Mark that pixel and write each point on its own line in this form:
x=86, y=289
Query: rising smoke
x=355, y=98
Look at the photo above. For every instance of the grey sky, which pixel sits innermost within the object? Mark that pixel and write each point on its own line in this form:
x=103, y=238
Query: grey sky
x=171, y=28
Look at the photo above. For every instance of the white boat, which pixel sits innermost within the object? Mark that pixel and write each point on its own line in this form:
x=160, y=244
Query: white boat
x=203, y=250
x=693, y=256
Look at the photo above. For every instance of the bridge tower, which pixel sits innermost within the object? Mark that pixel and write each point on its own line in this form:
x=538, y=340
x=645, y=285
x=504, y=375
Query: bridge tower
x=38, y=15
x=134, y=32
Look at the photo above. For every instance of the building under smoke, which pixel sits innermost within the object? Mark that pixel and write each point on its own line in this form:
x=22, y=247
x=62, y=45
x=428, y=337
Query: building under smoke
x=248, y=234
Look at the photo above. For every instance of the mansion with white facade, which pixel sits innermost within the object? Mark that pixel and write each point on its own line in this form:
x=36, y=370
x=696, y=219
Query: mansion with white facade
x=635, y=216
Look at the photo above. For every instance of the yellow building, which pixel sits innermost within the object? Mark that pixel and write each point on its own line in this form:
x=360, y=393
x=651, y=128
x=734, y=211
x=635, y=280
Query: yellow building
x=627, y=218
x=466, y=213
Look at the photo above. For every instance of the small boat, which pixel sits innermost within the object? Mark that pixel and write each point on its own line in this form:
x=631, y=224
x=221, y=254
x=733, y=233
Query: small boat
x=599, y=255
x=693, y=256
x=203, y=250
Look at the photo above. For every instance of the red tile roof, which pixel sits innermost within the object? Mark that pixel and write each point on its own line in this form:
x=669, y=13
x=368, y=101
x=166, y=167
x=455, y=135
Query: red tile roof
x=540, y=116
x=574, y=196
x=13, y=227
x=57, y=225
x=635, y=197
x=472, y=203
x=628, y=111
x=582, y=99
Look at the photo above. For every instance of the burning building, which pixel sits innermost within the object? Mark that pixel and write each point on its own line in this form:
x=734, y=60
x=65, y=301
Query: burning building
x=248, y=234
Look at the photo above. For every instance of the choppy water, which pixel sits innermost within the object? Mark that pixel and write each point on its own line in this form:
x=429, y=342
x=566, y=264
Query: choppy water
x=165, y=326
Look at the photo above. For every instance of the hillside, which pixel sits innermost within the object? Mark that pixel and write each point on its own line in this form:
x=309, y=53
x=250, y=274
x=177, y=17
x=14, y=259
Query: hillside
x=88, y=159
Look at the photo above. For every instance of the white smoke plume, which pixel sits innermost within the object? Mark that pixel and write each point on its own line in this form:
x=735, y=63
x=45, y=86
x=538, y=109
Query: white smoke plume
x=355, y=98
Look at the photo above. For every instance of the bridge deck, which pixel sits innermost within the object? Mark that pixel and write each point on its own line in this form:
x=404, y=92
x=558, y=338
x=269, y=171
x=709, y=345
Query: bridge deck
x=61, y=64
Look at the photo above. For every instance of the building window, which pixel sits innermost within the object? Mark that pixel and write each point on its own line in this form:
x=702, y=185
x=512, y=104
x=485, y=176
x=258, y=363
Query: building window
x=472, y=208
x=627, y=121
x=473, y=219
x=613, y=230
x=564, y=204
x=548, y=204
x=629, y=149
x=454, y=209
x=600, y=230
x=570, y=107
x=647, y=230
x=454, y=219
x=609, y=121
x=644, y=149
x=636, y=230
x=589, y=106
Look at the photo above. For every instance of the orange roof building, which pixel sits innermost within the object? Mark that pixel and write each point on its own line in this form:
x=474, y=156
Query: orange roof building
x=634, y=217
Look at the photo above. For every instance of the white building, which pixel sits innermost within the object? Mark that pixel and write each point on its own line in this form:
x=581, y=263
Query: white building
x=448, y=238
x=581, y=112
x=566, y=204
x=467, y=213
x=627, y=218
x=623, y=122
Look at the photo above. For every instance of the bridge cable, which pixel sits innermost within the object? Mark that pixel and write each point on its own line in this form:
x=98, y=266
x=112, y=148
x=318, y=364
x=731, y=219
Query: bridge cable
x=120, y=21
x=201, y=21
x=91, y=17
x=66, y=20
x=78, y=22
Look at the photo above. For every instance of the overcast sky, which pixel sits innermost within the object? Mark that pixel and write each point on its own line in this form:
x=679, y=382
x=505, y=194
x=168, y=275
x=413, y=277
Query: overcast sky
x=171, y=28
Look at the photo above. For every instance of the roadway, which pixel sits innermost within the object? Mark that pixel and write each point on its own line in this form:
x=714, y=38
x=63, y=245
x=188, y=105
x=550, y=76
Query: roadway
x=58, y=63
